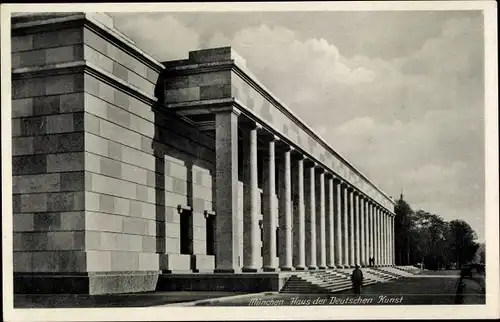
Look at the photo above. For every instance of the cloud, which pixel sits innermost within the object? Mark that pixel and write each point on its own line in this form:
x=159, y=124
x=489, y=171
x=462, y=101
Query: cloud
x=161, y=35
x=414, y=122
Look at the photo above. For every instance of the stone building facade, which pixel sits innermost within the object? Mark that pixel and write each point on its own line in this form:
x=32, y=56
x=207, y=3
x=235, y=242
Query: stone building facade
x=133, y=175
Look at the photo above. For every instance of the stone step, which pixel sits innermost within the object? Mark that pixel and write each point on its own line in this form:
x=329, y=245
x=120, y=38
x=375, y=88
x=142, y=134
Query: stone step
x=388, y=272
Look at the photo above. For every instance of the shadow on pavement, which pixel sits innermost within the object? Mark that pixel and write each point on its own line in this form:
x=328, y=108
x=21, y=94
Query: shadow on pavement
x=114, y=300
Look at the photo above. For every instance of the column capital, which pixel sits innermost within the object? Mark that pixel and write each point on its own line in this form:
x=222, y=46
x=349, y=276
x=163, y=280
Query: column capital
x=319, y=169
x=337, y=180
x=330, y=175
x=249, y=124
x=308, y=162
x=267, y=136
x=284, y=147
x=297, y=155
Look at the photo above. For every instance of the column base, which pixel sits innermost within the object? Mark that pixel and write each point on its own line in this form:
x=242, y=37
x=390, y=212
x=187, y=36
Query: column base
x=249, y=270
x=270, y=269
x=332, y=266
x=322, y=267
x=226, y=271
x=300, y=268
x=312, y=268
x=287, y=269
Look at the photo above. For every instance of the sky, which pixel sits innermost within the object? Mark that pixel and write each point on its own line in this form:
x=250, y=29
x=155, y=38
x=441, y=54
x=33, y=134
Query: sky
x=400, y=94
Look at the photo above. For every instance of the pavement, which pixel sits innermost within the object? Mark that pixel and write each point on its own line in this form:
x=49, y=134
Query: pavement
x=473, y=291
x=427, y=288
x=113, y=300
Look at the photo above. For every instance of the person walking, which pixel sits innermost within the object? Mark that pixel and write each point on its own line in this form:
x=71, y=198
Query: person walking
x=357, y=280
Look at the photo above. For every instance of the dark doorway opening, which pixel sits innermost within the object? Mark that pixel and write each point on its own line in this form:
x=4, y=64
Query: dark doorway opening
x=186, y=232
x=210, y=232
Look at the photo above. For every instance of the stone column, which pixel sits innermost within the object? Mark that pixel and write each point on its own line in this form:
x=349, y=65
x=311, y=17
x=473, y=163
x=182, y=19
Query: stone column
x=352, y=232
x=311, y=216
x=375, y=235
x=345, y=224
x=362, y=250
x=227, y=234
x=301, y=226
x=387, y=240
x=384, y=238
x=387, y=228
x=338, y=215
x=251, y=211
x=379, y=236
x=357, y=229
x=285, y=211
x=370, y=229
x=367, y=231
x=320, y=215
x=330, y=225
x=393, y=241
x=382, y=258
x=270, y=209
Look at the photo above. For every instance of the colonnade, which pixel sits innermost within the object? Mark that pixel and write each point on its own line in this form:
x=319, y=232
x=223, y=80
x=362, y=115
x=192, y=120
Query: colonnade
x=336, y=225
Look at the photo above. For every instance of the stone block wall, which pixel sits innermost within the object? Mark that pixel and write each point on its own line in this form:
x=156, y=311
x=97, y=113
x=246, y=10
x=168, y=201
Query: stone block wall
x=99, y=171
x=47, y=156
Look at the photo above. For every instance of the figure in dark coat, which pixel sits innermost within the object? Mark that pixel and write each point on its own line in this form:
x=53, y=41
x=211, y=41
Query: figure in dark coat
x=357, y=280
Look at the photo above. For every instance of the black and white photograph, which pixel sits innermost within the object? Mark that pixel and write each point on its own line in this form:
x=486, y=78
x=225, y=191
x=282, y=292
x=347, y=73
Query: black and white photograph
x=323, y=160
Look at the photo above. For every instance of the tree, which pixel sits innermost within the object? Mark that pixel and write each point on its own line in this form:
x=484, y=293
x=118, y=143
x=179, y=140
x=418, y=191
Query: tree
x=462, y=242
x=403, y=223
x=426, y=238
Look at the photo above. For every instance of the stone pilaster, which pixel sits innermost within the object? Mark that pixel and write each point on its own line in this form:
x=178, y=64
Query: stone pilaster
x=227, y=234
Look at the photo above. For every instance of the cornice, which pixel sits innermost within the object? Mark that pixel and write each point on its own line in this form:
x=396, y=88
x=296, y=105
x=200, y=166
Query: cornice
x=81, y=19
x=84, y=67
